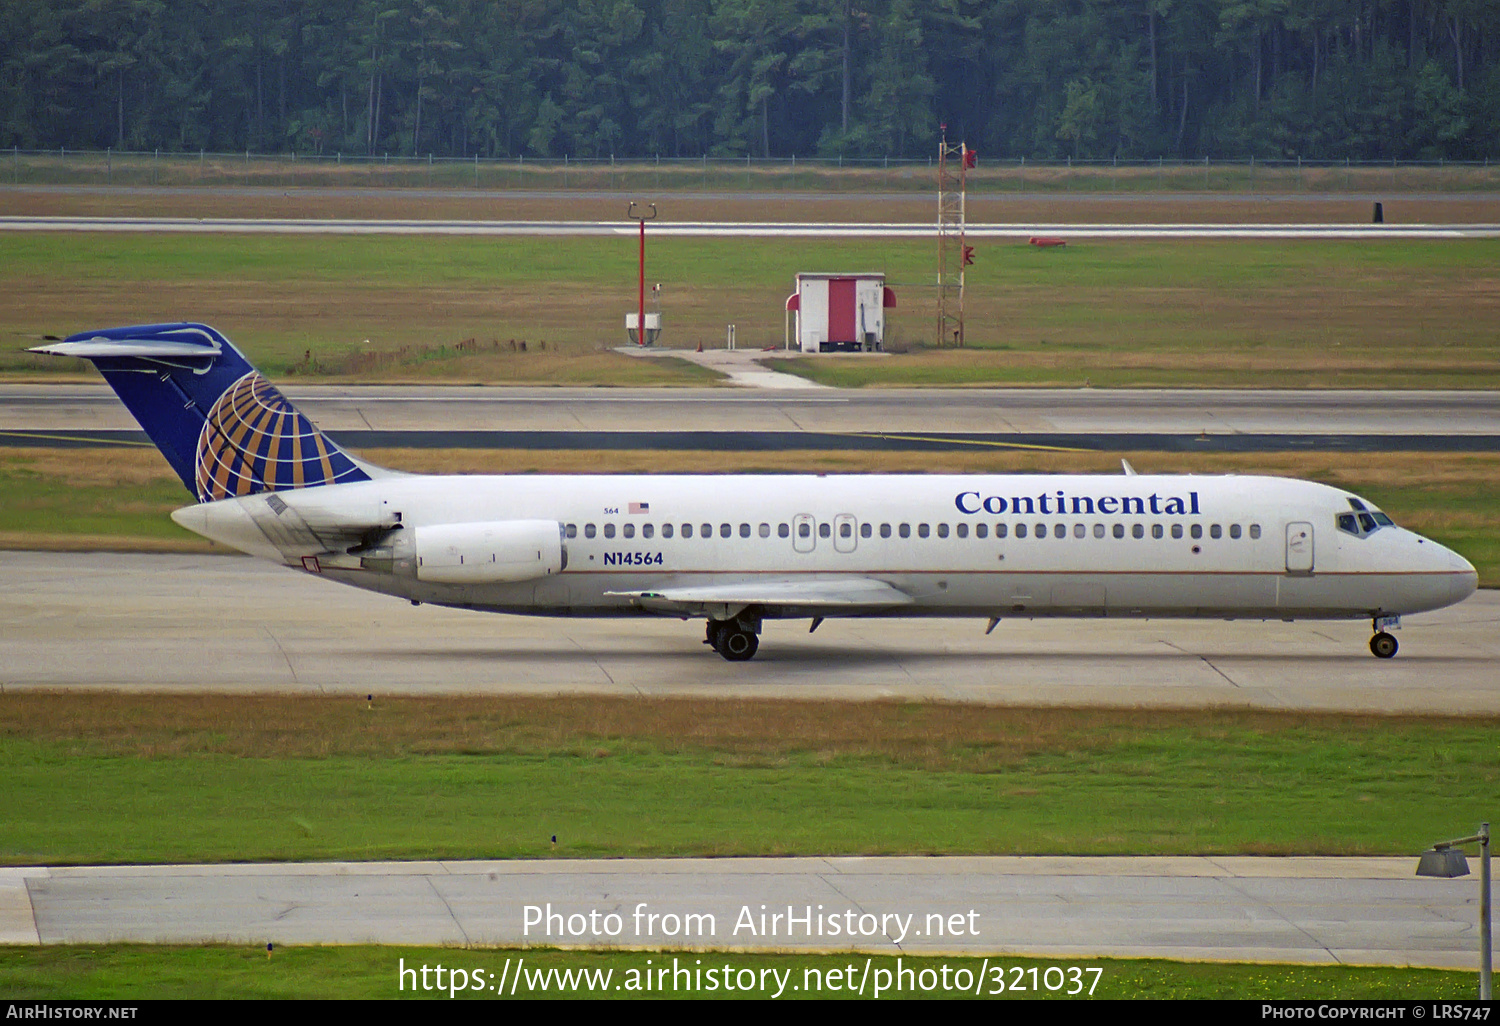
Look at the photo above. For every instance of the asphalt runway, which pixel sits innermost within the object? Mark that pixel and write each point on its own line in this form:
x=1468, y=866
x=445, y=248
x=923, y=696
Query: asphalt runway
x=1290, y=910
x=193, y=623
x=729, y=229
x=707, y=418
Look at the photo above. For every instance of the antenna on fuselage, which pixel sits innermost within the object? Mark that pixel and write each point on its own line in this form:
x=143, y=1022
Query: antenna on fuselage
x=1125, y=465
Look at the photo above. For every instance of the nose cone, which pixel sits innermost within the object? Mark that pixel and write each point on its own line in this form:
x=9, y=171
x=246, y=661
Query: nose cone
x=1465, y=578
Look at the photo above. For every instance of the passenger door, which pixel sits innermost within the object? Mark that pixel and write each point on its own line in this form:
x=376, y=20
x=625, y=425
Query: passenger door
x=1299, y=547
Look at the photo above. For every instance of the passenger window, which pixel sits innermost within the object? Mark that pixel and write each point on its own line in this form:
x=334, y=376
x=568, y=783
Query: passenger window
x=1196, y=531
x=1156, y=531
x=980, y=530
x=725, y=530
x=1234, y=530
x=572, y=531
x=1176, y=530
x=705, y=530
x=824, y=530
x=647, y=530
x=804, y=530
x=588, y=530
x=904, y=530
x=1041, y=530
x=765, y=530
x=1255, y=530
x=783, y=531
x=1060, y=531
x=1137, y=531
x=666, y=530
x=687, y=530
x=922, y=530
x=1119, y=530
x=1216, y=531
x=885, y=530
x=1020, y=530
x=1079, y=531
x=1098, y=530
x=942, y=530
x=962, y=530
x=1000, y=530
x=629, y=530
x=744, y=530
x=609, y=530
x=846, y=530
x=865, y=530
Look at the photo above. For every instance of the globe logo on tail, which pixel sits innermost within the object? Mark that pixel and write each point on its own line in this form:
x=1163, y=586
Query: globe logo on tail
x=255, y=441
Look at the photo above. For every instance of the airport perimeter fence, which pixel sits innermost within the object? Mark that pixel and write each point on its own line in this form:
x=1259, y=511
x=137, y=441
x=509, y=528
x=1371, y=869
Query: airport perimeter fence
x=736, y=174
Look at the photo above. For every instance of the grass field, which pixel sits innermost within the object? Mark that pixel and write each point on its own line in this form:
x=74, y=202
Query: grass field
x=96, y=778
x=124, y=972
x=120, y=498
x=1397, y=313
x=729, y=175
x=1001, y=207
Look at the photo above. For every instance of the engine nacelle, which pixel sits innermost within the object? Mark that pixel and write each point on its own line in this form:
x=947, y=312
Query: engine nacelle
x=490, y=552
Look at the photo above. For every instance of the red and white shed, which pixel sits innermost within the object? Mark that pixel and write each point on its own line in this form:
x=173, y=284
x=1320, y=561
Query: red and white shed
x=839, y=312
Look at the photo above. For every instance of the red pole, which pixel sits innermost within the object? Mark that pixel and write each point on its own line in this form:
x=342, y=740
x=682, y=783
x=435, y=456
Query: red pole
x=640, y=317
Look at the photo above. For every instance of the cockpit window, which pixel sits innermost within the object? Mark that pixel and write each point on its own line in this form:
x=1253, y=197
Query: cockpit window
x=1366, y=520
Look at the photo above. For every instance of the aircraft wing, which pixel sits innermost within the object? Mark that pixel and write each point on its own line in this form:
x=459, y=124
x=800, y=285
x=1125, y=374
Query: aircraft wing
x=819, y=595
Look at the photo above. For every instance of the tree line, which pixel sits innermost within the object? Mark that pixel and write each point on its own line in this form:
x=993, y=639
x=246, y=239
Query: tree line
x=1044, y=79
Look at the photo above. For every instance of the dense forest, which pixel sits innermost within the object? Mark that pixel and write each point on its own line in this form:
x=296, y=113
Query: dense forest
x=1317, y=79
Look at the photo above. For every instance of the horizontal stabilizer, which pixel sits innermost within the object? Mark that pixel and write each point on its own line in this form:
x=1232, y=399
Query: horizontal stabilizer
x=94, y=349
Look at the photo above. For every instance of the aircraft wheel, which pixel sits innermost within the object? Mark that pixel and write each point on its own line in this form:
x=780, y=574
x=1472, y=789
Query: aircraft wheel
x=737, y=645
x=1383, y=645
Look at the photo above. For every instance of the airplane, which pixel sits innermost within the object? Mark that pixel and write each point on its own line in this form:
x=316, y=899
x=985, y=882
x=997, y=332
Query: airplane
x=739, y=550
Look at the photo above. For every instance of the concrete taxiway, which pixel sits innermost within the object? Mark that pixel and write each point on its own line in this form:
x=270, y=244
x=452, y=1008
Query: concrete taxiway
x=730, y=229
x=1086, y=411
x=1371, y=911
x=137, y=622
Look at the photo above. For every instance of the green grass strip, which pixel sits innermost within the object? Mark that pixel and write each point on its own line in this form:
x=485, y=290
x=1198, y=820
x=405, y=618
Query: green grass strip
x=125, y=972
x=497, y=779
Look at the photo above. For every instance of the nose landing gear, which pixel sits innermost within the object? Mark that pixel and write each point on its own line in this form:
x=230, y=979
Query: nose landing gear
x=1383, y=645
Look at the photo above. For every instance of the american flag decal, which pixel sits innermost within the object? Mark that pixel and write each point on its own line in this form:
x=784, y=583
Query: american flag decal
x=640, y=507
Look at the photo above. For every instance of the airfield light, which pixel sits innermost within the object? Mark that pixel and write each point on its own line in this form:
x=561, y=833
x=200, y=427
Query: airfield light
x=1445, y=859
x=640, y=317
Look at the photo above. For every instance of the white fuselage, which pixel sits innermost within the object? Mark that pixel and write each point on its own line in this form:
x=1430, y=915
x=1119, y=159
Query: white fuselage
x=954, y=545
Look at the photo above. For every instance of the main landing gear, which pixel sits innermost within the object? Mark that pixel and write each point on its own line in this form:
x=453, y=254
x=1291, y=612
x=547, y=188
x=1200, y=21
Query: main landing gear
x=732, y=640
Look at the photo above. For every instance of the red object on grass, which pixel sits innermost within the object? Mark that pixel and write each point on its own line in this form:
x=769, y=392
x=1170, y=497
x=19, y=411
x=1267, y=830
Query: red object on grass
x=1044, y=241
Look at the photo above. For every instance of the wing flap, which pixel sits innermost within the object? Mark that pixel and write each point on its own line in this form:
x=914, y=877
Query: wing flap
x=825, y=593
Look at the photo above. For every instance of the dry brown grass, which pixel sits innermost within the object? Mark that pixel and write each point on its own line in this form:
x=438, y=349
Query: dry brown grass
x=136, y=466
x=34, y=541
x=1025, y=208
x=926, y=735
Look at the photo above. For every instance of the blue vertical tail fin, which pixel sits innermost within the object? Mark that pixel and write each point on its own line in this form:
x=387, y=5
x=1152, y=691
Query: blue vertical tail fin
x=224, y=428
